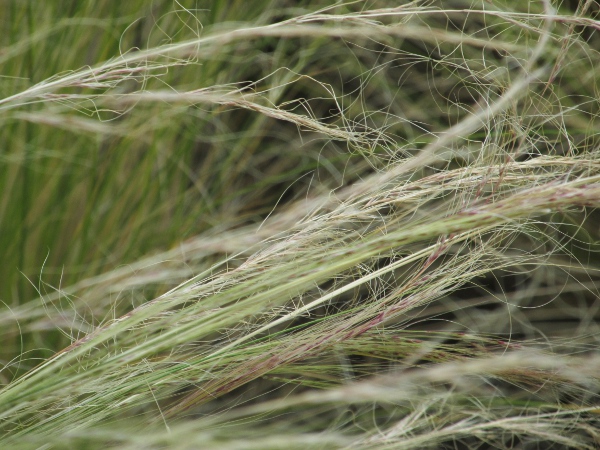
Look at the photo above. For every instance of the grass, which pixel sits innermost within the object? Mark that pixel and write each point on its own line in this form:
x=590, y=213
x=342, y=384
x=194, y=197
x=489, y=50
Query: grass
x=268, y=224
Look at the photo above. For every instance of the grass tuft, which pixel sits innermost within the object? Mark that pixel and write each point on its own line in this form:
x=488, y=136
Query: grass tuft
x=314, y=225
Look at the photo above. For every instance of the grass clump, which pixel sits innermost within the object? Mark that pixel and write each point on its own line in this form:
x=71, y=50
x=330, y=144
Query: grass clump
x=311, y=225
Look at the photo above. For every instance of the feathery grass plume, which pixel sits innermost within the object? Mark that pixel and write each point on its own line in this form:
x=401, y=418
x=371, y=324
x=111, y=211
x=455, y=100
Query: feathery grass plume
x=321, y=225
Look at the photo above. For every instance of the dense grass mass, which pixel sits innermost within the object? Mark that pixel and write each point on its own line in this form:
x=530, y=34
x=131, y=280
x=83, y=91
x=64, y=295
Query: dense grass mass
x=299, y=224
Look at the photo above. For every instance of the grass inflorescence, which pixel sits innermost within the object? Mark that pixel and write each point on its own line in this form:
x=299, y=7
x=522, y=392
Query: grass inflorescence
x=269, y=224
